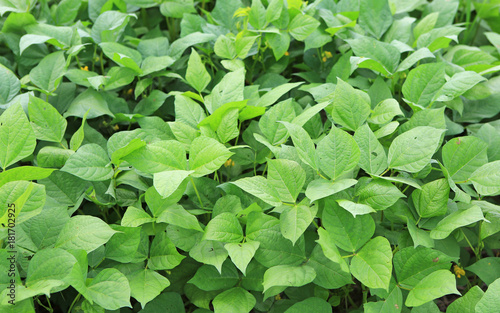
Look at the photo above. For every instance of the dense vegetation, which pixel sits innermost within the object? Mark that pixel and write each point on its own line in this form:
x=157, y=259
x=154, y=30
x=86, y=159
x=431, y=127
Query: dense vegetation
x=238, y=156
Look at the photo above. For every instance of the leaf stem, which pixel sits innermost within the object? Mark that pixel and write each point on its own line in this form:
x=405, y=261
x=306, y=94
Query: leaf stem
x=401, y=287
x=196, y=191
x=470, y=245
x=41, y=304
x=315, y=224
x=74, y=302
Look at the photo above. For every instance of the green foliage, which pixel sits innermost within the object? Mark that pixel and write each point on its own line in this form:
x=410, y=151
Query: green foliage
x=249, y=156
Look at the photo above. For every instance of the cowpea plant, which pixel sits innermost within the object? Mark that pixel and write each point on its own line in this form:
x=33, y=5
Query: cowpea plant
x=238, y=156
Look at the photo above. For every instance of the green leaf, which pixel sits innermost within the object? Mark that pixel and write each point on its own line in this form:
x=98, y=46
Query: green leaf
x=355, y=208
x=48, y=73
x=90, y=162
x=275, y=132
x=257, y=15
x=153, y=64
x=455, y=220
x=66, y=11
x=178, y=46
x=225, y=227
x=287, y=178
x=225, y=48
x=9, y=85
x=458, y=85
x=177, y=215
x=151, y=104
x=188, y=111
x=122, y=246
x=310, y=305
x=79, y=135
x=379, y=8
x=295, y=220
x=163, y=254
x=109, y=26
x=412, y=150
x=167, y=182
x=423, y=83
x=89, y=99
x=419, y=236
x=338, y=153
x=379, y=194
x=175, y=8
x=488, y=269
x=134, y=217
x=322, y=188
x=196, y=73
x=215, y=119
x=486, y=179
x=122, y=55
x=413, y=264
x=158, y=156
x=274, y=10
x=432, y=199
x=274, y=94
x=146, y=284
x=259, y=187
x=420, y=54
x=433, y=286
x=64, y=187
x=288, y=276
x=242, y=253
x=466, y=303
x=235, y=300
x=490, y=301
x=350, y=107
x=110, y=289
x=209, y=252
x=25, y=198
x=330, y=250
x=17, y=136
x=301, y=26
x=303, y=143
x=349, y=233
x=463, y=155
x=385, y=111
x=84, y=232
x=206, y=156
x=48, y=265
x=207, y=278
x=372, y=265
x=24, y=173
x=375, y=55
x=274, y=249
x=228, y=127
x=279, y=43
x=329, y=274
x=119, y=154
x=425, y=25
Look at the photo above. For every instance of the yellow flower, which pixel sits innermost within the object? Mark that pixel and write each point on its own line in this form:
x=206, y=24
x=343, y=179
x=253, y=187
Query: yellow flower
x=129, y=92
x=85, y=68
x=326, y=55
x=287, y=53
x=458, y=271
x=229, y=163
